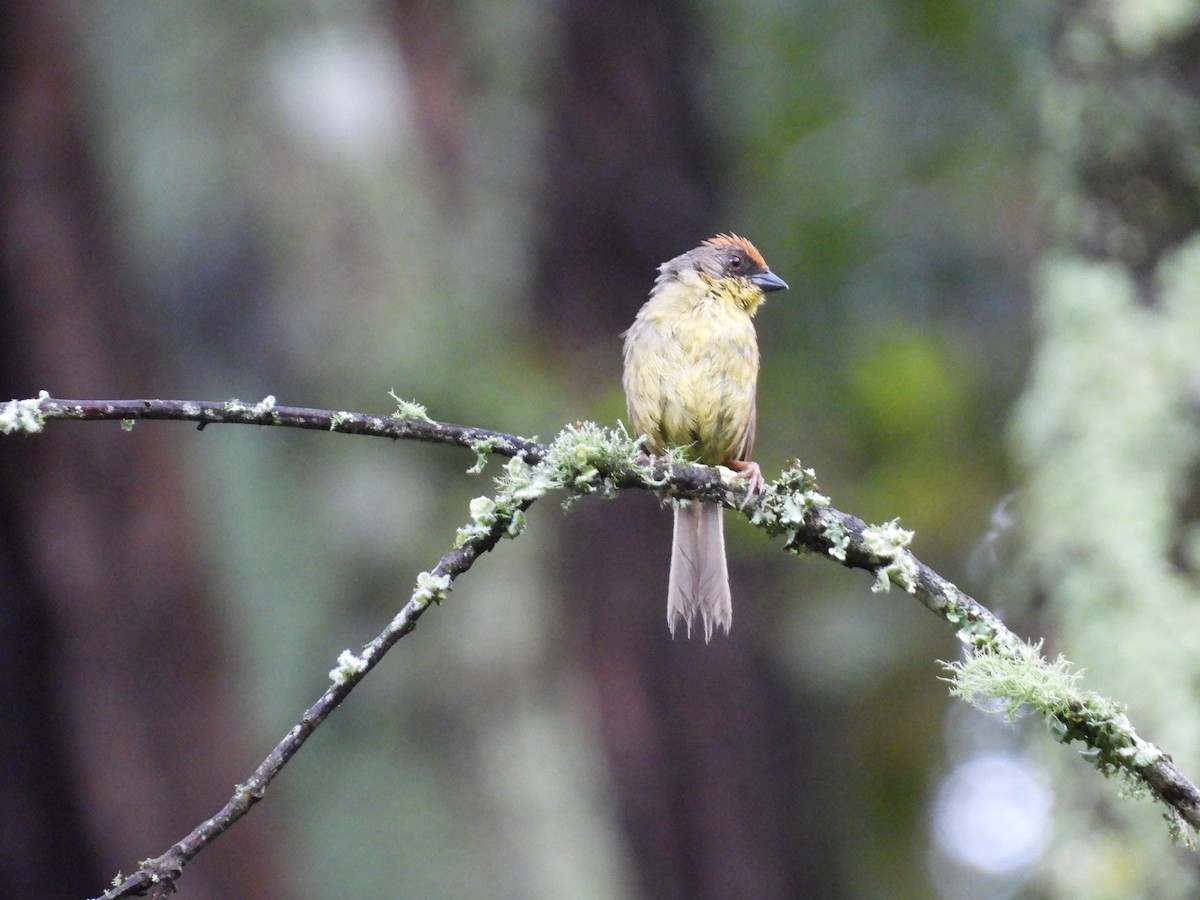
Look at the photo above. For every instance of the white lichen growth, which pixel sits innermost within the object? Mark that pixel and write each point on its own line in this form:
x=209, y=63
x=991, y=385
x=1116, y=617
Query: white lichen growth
x=890, y=542
x=127, y=424
x=518, y=484
x=793, y=510
x=1140, y=753
x=430, y=588
x=516, y=524
x=191, y=410
x=483, y=451
x=264, y=406
x=520, y=481
x=483, y=512
x=839, y=539
x=483, y=517
x=348, y=665
x=808, y=491
x=340, y=419
x=24, y=415
x=789, y=503
x=584, y=458
x=409, y=409
x=975, y=626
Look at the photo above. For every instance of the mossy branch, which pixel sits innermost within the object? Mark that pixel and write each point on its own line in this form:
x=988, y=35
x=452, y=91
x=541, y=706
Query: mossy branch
x=1000, y=670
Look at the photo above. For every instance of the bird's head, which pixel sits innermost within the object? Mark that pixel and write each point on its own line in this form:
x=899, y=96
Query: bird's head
x=731, y=264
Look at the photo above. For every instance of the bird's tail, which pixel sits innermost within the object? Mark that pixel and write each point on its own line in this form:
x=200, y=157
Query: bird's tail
x=699, y=577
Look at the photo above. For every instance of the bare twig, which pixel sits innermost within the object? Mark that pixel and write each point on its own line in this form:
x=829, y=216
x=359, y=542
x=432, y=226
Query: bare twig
x=266, y=412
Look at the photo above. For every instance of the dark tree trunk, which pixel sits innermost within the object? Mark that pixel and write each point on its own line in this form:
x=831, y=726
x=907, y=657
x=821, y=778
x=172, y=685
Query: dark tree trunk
x=117, y=736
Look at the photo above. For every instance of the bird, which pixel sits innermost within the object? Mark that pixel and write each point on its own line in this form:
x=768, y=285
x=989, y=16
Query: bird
x=690, y=378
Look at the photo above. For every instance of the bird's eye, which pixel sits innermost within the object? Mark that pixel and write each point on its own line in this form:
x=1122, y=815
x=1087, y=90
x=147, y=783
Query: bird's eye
x=735, y=262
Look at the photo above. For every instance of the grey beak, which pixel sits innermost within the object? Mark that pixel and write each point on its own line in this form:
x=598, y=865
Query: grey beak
x=769, y=281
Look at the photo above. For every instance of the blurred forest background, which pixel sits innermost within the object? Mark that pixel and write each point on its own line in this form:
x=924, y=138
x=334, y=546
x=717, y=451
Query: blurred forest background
x=986, y=213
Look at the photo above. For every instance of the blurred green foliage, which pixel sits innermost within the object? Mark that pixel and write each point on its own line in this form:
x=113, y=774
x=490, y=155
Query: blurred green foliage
x=878, y=153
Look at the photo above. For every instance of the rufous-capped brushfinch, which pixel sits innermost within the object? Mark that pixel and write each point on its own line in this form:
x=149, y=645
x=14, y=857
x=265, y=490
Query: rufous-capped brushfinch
x=691, y=370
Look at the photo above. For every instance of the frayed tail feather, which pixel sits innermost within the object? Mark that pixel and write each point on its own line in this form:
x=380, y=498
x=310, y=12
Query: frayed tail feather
x=699, y=585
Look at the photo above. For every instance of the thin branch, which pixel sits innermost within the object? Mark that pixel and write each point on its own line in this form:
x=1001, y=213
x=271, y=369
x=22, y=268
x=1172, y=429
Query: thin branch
x=1099, y=723
x=414, y=426
x=587, y=459
x=160, y=874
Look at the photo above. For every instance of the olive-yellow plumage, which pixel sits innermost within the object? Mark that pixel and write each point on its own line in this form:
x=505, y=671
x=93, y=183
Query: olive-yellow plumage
x=691, y=372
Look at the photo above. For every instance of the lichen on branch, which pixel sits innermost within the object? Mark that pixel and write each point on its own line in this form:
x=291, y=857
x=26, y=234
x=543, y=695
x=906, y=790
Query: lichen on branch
x=1000, y=671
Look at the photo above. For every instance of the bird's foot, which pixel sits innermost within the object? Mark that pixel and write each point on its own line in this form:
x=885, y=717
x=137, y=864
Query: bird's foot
x=651, y=460
x=748, y=470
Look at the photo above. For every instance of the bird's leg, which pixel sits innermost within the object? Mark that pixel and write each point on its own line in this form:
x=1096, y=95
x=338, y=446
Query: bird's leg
x=749, y=470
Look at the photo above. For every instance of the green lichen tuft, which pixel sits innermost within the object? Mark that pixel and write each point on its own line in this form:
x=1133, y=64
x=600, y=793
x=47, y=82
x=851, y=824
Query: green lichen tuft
x=1020, y=678
x=789, y=504
x=586, y=458
x=409, y=409
x=1012, y=680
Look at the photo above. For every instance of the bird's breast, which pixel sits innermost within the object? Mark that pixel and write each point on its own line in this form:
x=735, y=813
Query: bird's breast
x=691, y=370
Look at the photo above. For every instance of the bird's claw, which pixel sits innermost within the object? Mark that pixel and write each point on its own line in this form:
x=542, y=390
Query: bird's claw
x=752, y=474
x=650, y=461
